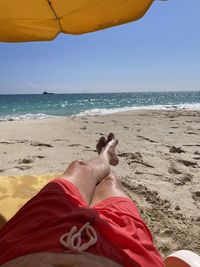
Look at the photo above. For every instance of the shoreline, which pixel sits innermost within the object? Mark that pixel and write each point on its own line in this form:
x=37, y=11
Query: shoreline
x=159, y=154
x=102, y=112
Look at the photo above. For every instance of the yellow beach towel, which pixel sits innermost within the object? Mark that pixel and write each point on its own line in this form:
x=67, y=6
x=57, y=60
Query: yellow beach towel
x=15, y=191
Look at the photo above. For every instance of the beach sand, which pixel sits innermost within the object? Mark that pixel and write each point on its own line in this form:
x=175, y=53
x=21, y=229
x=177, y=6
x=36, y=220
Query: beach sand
x=159, y=154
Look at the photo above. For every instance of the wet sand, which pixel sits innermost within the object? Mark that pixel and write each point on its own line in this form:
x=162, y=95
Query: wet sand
x=159, y=154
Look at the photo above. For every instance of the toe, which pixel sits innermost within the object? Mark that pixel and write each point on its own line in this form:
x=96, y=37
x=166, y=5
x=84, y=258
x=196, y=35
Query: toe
x=111, y=136
x=101, y=143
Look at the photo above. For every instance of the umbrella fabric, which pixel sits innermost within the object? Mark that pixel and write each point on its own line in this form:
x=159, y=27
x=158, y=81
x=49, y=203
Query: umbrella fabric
x=37, y=20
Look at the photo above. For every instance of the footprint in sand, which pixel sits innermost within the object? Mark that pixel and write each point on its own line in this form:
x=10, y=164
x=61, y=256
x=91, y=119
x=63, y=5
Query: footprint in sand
x=188, y=163
x=134, y=158
x=175, y=169
x=191, y=145
x=76, y=145
x=177, y=207
x=196, y=158
x=100, y=122
x=173, y=149
x=131, y=155
x=183, y=179
x=83, y=128
x=196, y=198
x=23, y=167
x=197, y=194
x=60, y=140
x=40, y=157
x=40, y=144
x=26, y=161
x=29, y=160
x=191, y=133
x=101, y=134
x=6, y=142
x=166, y=223
x=147, y=139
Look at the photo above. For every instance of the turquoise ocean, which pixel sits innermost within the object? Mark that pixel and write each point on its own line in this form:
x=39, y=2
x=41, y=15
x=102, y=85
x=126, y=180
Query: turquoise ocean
x=19, y=107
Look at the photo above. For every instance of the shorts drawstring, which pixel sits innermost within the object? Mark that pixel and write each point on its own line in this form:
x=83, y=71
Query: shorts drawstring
x=68, y=239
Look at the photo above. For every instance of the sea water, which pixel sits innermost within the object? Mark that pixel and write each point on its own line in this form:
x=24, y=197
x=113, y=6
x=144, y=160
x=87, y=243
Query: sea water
x=17, y=107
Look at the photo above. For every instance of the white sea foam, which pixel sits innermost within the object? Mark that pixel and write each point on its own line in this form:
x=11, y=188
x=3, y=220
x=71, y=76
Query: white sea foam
x=103, y=111
x=97, y=111
x=38, y=116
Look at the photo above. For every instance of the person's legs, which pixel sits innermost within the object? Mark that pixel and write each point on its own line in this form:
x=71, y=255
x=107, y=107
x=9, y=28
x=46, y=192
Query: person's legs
x=110, y=186
x=86, y=175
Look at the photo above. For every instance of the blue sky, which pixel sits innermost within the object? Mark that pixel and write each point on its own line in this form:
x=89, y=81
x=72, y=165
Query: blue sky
x=159, y=52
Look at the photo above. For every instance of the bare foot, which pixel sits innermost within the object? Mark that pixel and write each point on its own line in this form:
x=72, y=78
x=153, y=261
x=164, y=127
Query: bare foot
x=106, y=148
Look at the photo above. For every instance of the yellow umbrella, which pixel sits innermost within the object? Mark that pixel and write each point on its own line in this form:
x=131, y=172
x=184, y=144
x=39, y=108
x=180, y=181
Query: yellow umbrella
x=39, y=20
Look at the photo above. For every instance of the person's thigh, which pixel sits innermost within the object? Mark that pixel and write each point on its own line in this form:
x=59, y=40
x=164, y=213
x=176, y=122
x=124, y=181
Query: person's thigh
x=39, y=224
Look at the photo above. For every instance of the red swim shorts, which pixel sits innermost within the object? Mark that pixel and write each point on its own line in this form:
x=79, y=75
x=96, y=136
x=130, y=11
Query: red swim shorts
x=122, y=235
